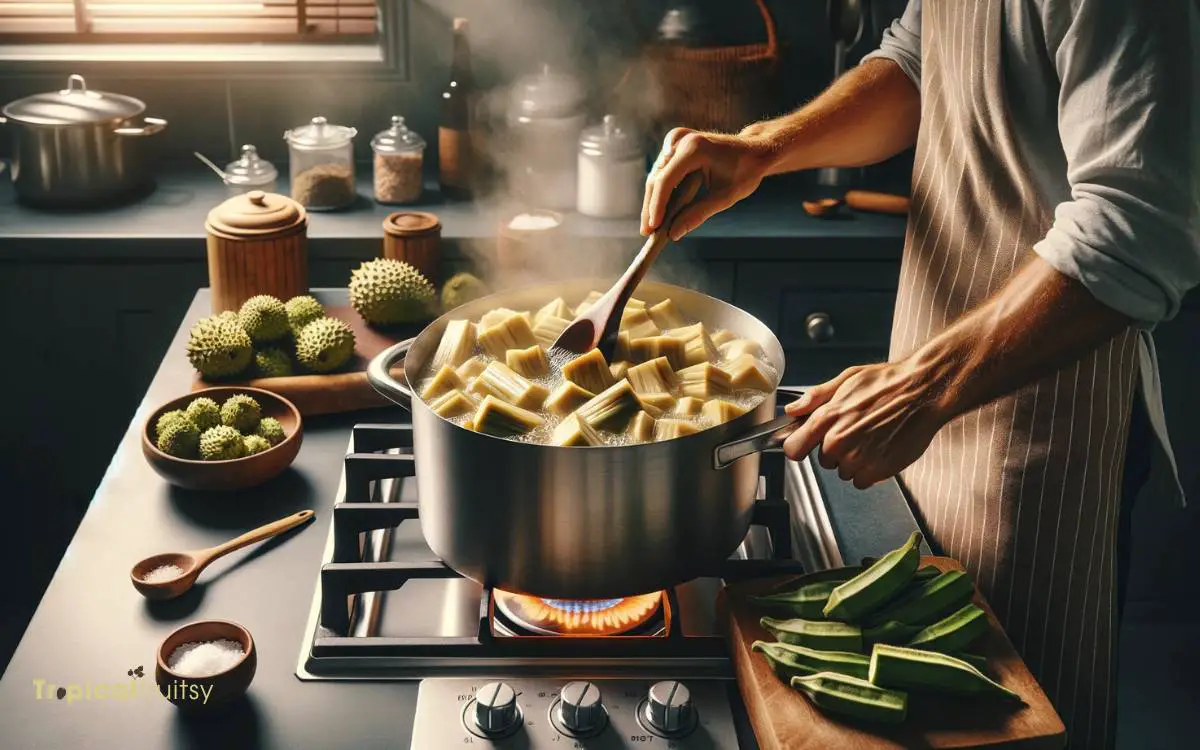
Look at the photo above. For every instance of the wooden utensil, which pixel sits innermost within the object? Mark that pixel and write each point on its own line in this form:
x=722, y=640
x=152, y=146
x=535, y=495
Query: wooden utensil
x=598, y=325
x=880, y=203
x=783, y=719
x=193, y=563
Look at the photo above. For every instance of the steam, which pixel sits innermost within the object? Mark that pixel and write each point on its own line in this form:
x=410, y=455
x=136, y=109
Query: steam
x=600, y=45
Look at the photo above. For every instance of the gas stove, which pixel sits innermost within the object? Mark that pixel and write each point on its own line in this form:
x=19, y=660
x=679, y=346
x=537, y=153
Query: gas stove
x=505, y=670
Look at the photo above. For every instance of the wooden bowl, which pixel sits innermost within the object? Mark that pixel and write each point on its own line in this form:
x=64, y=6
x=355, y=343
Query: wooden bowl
x=198, y=693
x=237, y=473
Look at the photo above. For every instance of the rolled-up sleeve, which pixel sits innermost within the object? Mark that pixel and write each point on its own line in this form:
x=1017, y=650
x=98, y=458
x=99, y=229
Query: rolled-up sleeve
x=901, y=43
x=1127, y=119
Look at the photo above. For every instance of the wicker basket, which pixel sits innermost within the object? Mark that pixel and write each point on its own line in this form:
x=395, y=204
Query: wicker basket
x=715, y=88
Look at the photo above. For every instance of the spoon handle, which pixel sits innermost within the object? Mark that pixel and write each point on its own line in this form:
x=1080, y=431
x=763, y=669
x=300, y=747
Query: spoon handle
x=256, y=535
x=616, y=298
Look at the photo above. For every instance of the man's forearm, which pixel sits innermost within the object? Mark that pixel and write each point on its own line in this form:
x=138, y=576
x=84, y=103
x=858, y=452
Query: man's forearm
x=869, y=114
x=1038, y=323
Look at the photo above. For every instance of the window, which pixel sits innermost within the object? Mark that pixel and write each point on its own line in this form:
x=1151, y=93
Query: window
x=216, y=30
x=194, y=20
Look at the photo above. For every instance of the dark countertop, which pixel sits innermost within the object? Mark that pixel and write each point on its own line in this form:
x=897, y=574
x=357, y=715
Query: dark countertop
x=169, y=223
x=91, y=626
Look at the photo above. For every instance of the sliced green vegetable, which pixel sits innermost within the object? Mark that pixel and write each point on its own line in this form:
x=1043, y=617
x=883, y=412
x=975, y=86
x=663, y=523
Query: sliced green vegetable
x=824, y=635
x=875, y=586
x=853, y=697
x=953, y=633
x=788, y=660
x=929, y=602
x=901, y=668
x=808, y=601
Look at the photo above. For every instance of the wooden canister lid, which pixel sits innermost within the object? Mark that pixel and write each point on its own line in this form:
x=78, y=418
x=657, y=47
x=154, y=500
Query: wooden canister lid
x=411, y=224
x=255, y=216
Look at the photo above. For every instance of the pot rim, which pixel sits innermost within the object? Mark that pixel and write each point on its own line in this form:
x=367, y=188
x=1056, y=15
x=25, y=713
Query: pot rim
x=136, y=106
x=720, y=433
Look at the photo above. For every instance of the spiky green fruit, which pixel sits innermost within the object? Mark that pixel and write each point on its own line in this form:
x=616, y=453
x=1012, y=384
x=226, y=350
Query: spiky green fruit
x=264, y=318
x=270, y=430
x=229, y=316
x=204, y=413
x=219, y=348
x=303, y=310
x=460, y=289
x=241, y=412
x=255, y=444
x=221, y=443
x=179, y=438
x=325, y=345
x=176, y=415
x=272, y=363
x=386, y=291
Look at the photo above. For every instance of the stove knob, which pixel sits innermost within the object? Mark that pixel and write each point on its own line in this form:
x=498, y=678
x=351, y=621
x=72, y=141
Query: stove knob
x=669, y=707
x=496, y=708
x=580, y=709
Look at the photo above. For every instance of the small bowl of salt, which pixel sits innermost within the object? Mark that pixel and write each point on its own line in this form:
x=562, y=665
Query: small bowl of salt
x=205, y=664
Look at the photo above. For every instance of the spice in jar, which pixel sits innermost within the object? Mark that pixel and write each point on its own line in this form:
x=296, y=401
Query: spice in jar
x=323, y=186
x=399, y=156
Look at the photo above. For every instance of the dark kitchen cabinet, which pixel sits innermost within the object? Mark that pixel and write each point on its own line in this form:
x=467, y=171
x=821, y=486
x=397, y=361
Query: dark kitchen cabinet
x=828, y=315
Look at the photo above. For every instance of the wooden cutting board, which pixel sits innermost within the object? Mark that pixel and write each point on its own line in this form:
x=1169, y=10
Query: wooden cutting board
x=783, y=719
x=342, y=391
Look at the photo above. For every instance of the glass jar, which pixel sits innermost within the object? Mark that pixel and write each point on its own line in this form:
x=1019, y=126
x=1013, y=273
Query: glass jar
x=250, y=172
x=399, y=153
x=612, y=171
x=321, y=164
x=546, y=115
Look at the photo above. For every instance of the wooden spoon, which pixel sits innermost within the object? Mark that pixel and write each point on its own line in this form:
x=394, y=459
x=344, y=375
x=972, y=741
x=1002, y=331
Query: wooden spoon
x=597, y=326
x=193, y=563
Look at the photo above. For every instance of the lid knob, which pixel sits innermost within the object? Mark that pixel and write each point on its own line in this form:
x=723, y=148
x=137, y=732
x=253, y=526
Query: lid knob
x=257, y=197
x=610, y=124
x=75, y=83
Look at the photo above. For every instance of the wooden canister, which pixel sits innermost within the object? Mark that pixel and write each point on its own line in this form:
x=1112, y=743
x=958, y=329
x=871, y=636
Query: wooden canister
x=414, y=237
x=257, y=244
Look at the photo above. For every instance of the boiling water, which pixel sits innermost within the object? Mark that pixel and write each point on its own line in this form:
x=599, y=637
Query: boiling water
x=744, y=399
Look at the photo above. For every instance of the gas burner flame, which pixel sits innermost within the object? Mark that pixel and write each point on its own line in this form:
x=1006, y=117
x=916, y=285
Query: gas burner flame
x=578, y=616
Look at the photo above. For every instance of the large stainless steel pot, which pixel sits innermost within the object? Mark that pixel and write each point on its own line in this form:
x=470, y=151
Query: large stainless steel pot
x=584, y=523
x=79, y=147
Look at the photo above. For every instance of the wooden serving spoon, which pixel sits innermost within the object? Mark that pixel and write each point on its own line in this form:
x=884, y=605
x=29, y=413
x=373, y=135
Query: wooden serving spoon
x=194, y=562
x=597, y=327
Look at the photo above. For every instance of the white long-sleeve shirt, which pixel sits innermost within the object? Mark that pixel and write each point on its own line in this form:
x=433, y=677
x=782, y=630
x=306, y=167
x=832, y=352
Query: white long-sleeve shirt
x=1104, y=96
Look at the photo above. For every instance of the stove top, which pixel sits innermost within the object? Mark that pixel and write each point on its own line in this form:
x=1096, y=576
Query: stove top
x=491, y=662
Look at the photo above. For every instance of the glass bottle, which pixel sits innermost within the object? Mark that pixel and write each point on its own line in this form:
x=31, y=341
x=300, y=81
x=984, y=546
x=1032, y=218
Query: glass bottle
x=456, y=158
x=321, y=164
x=250, y=172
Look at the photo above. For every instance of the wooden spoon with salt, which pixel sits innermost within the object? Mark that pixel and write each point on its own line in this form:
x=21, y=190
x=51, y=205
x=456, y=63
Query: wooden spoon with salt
x=597, y=326
x=192, y=563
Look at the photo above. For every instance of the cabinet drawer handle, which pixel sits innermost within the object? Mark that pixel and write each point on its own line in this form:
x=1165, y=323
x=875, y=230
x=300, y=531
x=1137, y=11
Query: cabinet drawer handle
x=819, y=327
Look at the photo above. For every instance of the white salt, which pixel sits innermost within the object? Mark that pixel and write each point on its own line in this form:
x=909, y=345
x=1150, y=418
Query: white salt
x=163, y=573
x=533, y=221
x=205, y=658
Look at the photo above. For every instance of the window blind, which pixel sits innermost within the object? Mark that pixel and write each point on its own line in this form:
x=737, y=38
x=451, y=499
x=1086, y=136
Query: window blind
x=195, y=20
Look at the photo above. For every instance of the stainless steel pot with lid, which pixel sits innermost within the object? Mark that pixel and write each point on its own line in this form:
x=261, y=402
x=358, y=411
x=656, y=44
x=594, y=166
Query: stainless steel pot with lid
x=580, y=522
x=77, y=146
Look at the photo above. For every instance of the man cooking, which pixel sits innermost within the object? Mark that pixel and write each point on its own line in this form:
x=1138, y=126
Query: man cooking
x=1055, y=219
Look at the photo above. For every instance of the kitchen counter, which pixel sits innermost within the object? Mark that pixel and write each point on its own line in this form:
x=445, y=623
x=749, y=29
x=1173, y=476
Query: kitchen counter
x=169, y=223
x=91, y=627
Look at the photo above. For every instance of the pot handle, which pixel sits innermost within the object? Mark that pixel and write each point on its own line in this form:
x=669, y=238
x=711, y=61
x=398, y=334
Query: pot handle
x=150, y=126
x=379, y=374
x=761, y=437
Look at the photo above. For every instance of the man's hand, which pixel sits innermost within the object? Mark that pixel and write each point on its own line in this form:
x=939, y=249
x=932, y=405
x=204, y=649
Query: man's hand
x=732, y=165
x=870, y=422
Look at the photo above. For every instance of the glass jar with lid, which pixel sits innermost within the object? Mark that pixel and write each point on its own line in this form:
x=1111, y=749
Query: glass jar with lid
x=321, y=164
x=612, y=171
x=546, y=114
x=250, y=172
x=399, y=154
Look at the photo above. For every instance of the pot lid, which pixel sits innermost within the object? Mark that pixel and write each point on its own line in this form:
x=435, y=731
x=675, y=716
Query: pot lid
x=397, y=139
x=319, y=134
x=411, y=223
x=548, y=94
x=250, y=169
x=610, y=138
x=255, y=214
x=72, y=105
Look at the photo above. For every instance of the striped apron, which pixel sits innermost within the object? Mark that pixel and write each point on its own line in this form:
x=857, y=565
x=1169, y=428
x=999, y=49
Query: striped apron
x=1025, y=491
